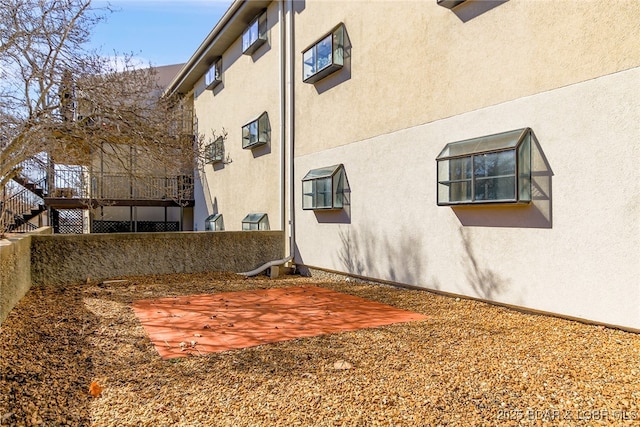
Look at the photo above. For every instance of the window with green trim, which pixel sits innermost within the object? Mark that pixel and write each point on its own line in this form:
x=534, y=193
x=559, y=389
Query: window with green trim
x=214, y=152
x=324, y=57
x=255, y=221
x=214, y=223
x=256, y=132
x=489, y=169
x=214, y=75
x=255, y=35
x=323, y=188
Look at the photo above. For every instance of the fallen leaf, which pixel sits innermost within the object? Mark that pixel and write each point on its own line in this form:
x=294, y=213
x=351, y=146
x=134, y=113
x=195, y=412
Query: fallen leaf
x=95, y=389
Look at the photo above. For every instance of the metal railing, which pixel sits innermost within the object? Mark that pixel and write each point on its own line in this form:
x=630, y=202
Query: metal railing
x=34, y=170
x=20, y=205
x=76, y=182
x=125, y=186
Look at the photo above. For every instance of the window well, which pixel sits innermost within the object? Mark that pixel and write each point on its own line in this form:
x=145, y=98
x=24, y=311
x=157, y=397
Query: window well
x=324, y=57
x=255, y=221
x=214, y=75
x=257, y=132
x=214, y=152
x=489, y=169
x=214, y=223
x=255, y=35
x=323, y=188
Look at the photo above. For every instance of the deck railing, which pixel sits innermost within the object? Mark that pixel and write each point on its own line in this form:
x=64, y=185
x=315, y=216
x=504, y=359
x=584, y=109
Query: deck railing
x=75, y=182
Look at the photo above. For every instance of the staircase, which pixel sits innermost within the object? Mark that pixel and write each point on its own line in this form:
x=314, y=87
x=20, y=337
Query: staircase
x=25, y=204
x=25, y=197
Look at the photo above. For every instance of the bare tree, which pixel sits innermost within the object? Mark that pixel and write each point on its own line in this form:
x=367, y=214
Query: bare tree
x=61, y=103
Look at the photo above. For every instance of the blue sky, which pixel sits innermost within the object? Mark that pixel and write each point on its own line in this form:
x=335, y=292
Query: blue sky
x=159, y=32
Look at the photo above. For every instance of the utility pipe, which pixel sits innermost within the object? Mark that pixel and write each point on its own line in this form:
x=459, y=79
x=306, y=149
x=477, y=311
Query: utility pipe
x=286, y=72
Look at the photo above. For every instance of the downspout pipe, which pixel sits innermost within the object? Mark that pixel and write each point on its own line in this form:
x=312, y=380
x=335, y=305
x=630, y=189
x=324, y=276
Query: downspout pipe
x=286, y=131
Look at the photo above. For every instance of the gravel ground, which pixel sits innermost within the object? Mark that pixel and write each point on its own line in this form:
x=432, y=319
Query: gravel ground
x=468, y=364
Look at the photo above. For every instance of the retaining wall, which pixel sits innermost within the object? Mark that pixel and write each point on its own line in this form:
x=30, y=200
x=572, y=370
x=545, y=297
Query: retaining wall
x=61, y=259
x=42, y=258
x=15, y=270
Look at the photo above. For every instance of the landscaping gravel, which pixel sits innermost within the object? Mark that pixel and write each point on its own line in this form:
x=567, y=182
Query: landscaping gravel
x=469, y=363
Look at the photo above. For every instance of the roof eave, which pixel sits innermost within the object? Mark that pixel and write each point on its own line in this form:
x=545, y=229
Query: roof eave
x=223, y=35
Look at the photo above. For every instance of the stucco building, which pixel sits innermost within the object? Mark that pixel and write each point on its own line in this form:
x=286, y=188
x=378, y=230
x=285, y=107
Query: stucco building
x=479, y=148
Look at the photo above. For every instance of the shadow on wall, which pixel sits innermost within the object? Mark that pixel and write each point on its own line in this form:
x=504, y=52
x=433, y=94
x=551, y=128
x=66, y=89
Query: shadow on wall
x=365, y=252
x=299, y=6
x=485, y=283
x=261, y=150
x=214, y=207
x=537, y=214
x=474, y=8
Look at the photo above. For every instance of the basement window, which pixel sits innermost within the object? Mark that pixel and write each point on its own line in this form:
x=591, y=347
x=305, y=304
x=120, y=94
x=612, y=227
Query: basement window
x=323, y=188
x=255, y=221
x=214, y=152
x=255, y=35
x=324, y=57
x=489, y=169
x=257, y=132
x=214, y=223
x=214, y=75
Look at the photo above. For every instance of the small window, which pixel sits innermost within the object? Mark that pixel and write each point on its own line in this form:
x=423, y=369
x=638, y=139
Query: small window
x=214, y=75
x=255, y=221
x=257, y=132
x=489, y=169
x=214, y=152
x=255, y=35
x=214, y=223
x=326, y=56
x=323, y=188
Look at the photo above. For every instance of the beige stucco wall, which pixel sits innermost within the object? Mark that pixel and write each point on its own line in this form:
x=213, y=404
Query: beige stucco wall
x=250, y=85
x=574, y=251
x=58, y=259
x=417, y=76
x=413, y=62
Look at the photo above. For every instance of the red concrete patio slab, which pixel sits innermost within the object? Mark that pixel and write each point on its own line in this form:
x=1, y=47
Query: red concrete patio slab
x=199, y=324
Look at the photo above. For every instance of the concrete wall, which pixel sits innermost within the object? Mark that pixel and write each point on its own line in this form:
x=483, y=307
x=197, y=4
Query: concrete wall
x=60, y=259
x=15, y=270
